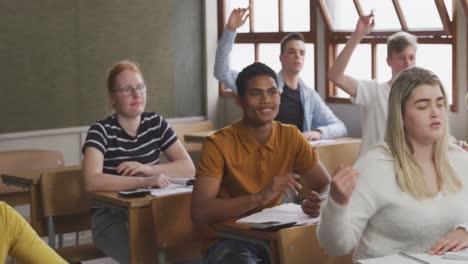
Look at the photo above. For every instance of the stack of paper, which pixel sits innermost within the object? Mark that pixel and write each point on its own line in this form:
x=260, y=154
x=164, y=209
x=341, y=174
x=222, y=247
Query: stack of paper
x=172, y=188
x=288, y=212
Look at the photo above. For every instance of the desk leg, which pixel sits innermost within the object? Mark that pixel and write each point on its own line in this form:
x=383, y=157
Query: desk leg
x=141, y=234
x=35, y=204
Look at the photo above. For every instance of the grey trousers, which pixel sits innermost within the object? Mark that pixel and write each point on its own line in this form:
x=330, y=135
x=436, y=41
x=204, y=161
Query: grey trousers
x=110, y=232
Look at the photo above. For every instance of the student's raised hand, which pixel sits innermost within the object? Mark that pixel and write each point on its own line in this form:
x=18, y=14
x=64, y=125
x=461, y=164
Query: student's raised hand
x=343, y=184
x=133, y=168
x=312, y=135
x=312, y=203
x=453, y=241
x=365, y=24
x=237, y=18
x=280, y=185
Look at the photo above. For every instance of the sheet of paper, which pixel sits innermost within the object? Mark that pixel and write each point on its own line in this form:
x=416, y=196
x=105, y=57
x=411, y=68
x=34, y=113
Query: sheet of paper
x=320, y=141
x=400, y=260
x=283, y=213
x=182, y=181
x=172, y=188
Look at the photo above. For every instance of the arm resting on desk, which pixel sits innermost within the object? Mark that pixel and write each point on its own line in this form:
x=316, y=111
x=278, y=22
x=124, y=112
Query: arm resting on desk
x=206, y=208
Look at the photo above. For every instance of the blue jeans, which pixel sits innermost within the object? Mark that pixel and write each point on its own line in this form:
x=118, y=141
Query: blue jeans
x=231, y=251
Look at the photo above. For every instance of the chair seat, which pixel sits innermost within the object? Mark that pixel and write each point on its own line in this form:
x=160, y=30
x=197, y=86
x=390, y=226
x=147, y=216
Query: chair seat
x=80, y=252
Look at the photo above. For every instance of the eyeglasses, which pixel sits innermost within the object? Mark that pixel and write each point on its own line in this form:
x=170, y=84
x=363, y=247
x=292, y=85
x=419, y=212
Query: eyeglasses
x=129, y=91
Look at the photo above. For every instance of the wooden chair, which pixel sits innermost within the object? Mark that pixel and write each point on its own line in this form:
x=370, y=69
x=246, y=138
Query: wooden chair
x=27, y=159
x=190, y=127
x=66, y=207
x=175, y=235
x=299, y=245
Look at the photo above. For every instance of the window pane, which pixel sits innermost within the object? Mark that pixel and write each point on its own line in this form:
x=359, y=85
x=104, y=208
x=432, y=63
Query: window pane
x=359, y=66
x=448, y=5
x=437, y=58
x=230, y=5
x=241, y=56
x=296, y=16
x=384, y=73
x=265, y=15
x=413, y=10
x=269, y=54
x=343, y=14
x=385, y=15
x=308, y=72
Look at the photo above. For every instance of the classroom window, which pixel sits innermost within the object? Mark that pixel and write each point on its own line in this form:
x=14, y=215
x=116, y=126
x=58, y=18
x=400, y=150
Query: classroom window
x=259, y=38
x=434, y=30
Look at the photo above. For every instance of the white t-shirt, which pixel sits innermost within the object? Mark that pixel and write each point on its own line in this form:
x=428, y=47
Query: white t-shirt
x=372, y=96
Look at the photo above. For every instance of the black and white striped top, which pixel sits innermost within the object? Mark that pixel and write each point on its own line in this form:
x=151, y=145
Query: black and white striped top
x=153, y=136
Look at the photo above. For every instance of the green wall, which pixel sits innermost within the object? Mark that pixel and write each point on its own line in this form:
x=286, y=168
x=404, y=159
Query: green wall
x=55, y=55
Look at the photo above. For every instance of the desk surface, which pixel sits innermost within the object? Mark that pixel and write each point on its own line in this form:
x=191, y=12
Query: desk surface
x=115, y=199
x=199, y=137
x=30, y=177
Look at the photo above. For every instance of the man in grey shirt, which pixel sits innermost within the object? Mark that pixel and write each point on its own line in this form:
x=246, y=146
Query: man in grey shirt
x=300, y=105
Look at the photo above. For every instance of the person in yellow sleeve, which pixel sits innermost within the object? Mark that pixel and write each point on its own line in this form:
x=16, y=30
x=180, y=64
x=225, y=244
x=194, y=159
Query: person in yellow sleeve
x=20, y=241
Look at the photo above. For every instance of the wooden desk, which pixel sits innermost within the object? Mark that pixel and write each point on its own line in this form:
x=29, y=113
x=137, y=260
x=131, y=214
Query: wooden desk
x=198, y=137
x=140, y=224
x=31, y=181
x=294, y=245
x=340, y=151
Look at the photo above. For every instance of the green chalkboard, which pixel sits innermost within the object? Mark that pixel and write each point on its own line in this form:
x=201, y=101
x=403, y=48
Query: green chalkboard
x=55, y=55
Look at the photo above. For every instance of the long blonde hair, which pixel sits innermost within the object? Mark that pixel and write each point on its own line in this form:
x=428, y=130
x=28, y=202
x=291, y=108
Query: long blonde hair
x=410, y=176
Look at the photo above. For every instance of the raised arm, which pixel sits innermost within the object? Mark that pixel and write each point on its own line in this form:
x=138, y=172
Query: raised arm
x=336, y=73
x=222, y=70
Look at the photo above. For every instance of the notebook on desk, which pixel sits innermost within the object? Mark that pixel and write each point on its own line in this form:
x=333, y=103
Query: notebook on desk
x=404, y=258
x=288, y=212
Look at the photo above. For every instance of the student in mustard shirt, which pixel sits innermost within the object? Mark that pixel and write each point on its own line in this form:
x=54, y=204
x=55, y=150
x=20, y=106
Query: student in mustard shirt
x=19, y=240
x=248, y=165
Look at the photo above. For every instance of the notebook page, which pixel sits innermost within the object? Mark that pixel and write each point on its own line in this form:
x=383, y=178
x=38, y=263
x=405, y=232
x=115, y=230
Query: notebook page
x=283, y=213
x=172, y=188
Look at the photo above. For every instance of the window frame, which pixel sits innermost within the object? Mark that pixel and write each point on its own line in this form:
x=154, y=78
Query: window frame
x=257, y=38
x=444, y=36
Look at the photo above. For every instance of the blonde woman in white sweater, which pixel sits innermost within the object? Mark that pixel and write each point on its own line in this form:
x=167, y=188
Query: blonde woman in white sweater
x=412, y=190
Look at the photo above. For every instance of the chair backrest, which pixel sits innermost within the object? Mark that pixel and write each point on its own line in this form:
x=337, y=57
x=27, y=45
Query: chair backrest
x=190, y=127
x=299, y=245
x=332, y=156
x=172, y=220
x=62, y=193
x=26, y=159
x=175, y=233
x=30, y=159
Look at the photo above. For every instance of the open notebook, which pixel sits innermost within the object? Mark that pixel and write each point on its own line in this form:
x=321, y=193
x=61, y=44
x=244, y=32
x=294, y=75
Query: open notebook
x=403, y=258
x=288, y=212
x=177, y=185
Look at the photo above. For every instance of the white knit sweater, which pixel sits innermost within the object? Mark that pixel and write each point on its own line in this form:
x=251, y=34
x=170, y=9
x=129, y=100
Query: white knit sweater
x=381, y=220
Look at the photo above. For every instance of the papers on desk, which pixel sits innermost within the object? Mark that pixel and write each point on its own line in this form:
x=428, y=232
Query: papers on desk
x=182, y=181
x=172, y=188
x=320, y=142
x=403, y=258
x=288, y=212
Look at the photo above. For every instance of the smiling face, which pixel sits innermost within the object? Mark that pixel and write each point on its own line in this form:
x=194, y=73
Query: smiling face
x=292, y=58
x=128, y=97
x=424, y=114
x=261, y=101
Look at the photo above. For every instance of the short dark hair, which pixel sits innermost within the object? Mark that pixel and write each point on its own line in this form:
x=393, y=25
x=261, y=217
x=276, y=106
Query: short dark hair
x=253, y=70
x=289, y=37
